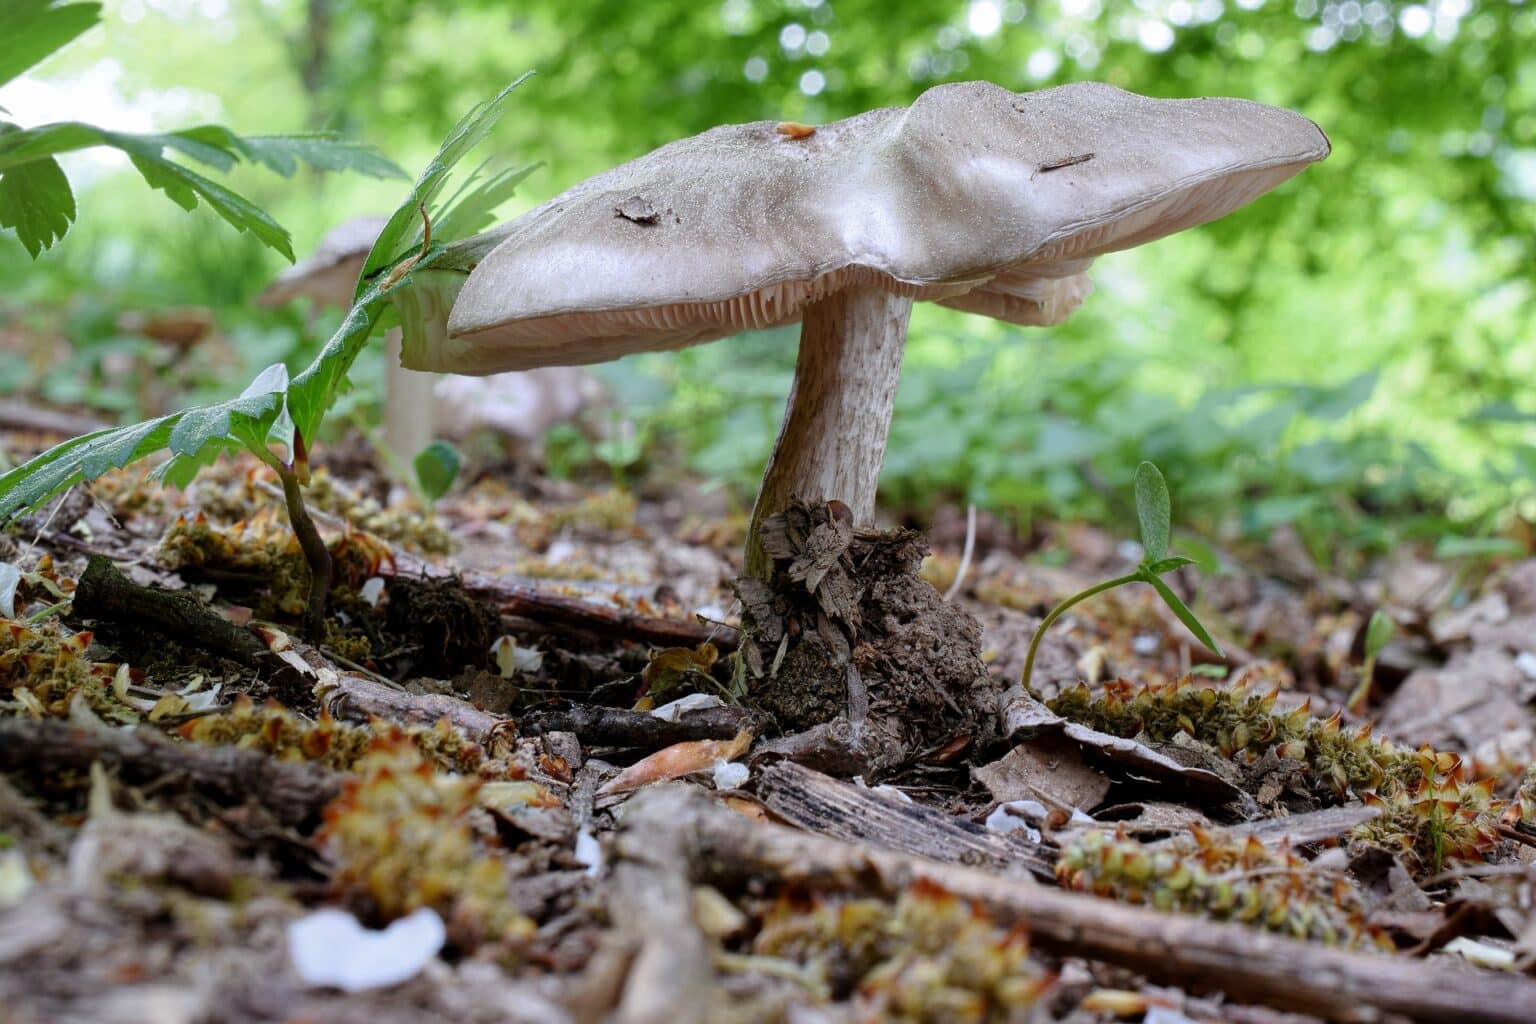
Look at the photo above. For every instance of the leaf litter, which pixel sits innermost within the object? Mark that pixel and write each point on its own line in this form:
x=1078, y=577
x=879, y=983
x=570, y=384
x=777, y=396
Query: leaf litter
x=1206, y=794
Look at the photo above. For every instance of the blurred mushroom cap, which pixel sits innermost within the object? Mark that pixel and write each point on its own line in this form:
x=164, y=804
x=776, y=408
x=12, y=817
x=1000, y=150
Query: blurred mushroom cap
x=329, y=275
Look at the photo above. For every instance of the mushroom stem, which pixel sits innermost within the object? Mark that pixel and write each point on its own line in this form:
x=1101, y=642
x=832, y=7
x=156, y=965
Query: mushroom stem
x=833, y=438
x=408, y=403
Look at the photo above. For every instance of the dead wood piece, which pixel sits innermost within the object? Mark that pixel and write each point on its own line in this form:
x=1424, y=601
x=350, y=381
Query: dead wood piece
x=356, y=697
x=1247, y=964
x=1310, y=827
x=600, y=726
x=570, y=613
x=105, y=593
x=294, y=793
x=829, y=807
x=670, y=978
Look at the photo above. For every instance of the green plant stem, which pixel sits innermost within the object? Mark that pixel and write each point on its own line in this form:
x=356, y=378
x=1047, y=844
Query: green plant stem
x=1057, y=612
x=316, y=555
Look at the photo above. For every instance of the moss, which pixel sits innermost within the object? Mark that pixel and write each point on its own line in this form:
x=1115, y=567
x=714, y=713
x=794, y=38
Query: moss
x=274, y=730
x=399, y=838
x=1432, y=812
x=43, y=670
x=1222, y=878
x=930, y=957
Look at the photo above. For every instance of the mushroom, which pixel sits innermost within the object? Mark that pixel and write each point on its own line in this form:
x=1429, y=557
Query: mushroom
x=417, y=408
x=974, y=197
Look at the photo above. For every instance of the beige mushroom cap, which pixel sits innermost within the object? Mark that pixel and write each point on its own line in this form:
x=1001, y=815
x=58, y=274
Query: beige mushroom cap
x=986, y=200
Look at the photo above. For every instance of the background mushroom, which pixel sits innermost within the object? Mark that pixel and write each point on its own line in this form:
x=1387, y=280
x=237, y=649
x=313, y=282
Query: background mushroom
x=419, y=407
x=975, y=197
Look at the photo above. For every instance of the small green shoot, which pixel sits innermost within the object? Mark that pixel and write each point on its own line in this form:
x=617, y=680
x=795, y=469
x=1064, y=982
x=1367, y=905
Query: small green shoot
x=1378, y=633
x=275, y=412
x=1154, y=510
x=437, y=467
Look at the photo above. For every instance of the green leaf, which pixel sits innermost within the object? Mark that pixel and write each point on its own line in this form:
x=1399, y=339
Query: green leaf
x=78, y=459
x=403, y=231
x=1378, y=633
x=1185, y=615
x=1453, y=546
x=37, y=203
x=1154, y=511
x=1164, y=566
x=282, y=154
x=315, y=388
x=437, y=466
x=473, y=207
x=34, y=29
x=185, y=187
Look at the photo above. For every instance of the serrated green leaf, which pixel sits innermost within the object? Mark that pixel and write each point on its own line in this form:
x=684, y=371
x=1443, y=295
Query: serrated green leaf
x=473, y=207
x=315, y=388
x=437, y=467
x=246, y=419
x=1154, y=511
x=1166, y=565
x=403, y=231
x=1185, y=616
x=79, y=459
x=35, y=29
x=1378, y=633
x=185, y=187
x=324, y=151
x=37, y=203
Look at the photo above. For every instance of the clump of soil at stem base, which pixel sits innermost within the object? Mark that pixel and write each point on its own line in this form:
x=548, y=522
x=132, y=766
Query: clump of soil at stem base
x=846, y=629
x=447, y=629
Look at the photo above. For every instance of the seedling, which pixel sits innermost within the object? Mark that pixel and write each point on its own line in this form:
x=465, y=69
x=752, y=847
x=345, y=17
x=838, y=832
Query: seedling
x=275, y=412
x=1154, y=511
x=1378, y=633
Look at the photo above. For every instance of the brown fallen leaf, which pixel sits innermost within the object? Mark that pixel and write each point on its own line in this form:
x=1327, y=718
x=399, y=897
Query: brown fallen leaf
x=676, y=761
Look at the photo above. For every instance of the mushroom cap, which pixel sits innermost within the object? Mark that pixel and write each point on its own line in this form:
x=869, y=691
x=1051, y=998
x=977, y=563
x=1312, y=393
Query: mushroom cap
x=983, y=199
x=329, y=275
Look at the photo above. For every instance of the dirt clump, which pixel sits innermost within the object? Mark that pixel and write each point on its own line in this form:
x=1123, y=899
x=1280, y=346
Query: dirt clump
x=848, y=629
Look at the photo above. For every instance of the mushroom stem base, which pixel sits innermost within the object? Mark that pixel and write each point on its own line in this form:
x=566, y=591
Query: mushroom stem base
x=833, y=438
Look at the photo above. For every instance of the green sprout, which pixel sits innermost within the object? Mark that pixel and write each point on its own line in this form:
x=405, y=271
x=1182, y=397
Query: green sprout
x=1154, y=511
x=1378, y=633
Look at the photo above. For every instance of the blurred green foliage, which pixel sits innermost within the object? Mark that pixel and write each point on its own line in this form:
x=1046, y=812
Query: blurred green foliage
x=1350, y=355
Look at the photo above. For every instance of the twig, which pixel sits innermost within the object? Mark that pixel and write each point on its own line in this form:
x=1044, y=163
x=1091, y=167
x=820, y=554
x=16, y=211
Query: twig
x=1246, y=963
x=295, y=793
x=965, y=556
x=596, y=725
x=105, y=593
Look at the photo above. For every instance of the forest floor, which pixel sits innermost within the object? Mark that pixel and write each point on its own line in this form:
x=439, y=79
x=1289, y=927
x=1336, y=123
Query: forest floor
x=520, y=778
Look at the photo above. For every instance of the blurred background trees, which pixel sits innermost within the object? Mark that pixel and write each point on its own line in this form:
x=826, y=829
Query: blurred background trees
x=1352, y=355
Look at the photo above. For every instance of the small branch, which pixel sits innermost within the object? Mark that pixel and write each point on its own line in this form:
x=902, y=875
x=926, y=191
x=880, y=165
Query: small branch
x=600, y=726
x=294, y=793
x=1249, y=965
x=357, y=697
x=105, y=593
x=514, y=600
